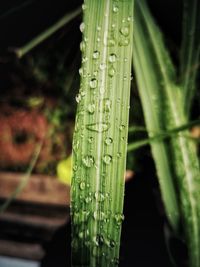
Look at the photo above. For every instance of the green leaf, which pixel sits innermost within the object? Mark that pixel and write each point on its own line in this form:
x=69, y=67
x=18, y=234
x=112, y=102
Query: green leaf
x=100, y=138
x=21, y=51
x=151, y=95
x=181, y=153
x=190, y=51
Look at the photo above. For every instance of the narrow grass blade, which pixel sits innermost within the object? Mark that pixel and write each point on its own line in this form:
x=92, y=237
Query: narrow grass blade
x=186, y=126
x=15, y=9
x=151, y=98
x=21, y=51
x=100, y=138
x=185, y=162
x=23, y=181
x=190, y=51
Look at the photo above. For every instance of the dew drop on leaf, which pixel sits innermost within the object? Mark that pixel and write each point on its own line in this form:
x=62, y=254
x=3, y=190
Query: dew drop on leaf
x=98, y=127
x=115, y=9
x=84, y=6
x=107, y=159
x=82, y=185
x=81, y=72
x=119, y=218
x=119, y=154
x=125, y=30
x=91, y=108
x=96, y=54
x=82, y=27
x=93, y=83
x=111, y=71
x=107, y=104
x=84, y=59
x=90, y=139
x=88, y=200
x=112, y=58
x=81, y=235
x=88, y=161
x=122, y=127
x=102, y=66
x=108, y=140
x=112, y=244
x=78, y=98
x=82, y=46
x=124, y=42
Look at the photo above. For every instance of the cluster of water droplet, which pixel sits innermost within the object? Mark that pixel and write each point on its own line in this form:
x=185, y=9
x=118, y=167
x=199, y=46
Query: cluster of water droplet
x=95, y=108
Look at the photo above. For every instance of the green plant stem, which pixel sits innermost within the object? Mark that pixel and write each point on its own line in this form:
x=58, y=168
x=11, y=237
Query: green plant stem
x=185, y=161
x=15, y=9
x=186, y=126
x=161, y=136
x=100, y=138
x=138, y=144
x=151, y=98
x=21, y=51
x=24, y=180
x=190, y=51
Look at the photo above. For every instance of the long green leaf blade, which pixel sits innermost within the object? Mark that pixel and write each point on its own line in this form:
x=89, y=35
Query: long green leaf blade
x=190, y=51
x=185, y=161
x=100, y=138
x=21, y=51
x=150, y=94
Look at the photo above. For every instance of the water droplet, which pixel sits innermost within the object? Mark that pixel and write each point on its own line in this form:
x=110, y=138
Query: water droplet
x=119, y=218
x=95, y=73
x=81, y=71
x=107, y=159
x=99, y=196
x=125, y=30
x=91, y=108
x=88, y=200
x=88, y=161
x=84, y=59
x=84, y=6
x=81, y=235
x=125, y=78
x=124, y=42
x=98, y=127
x=78, y=98
x=82, y=93
x=75, y=144
x=115, y=9
x=99, y=215
x=82, y=46
x=108, y=140
x=122, y=127
x=111, y=71
x=112, y=58
x=119, y=154
x=112, y=243
x=102, y=66
x=75, y=168
x=107, y=104
x=82, y=185
x=93, y=83
x=109, y=39
x=82, y=27
x=100, y=239
x=96, y=54
x=80, y=216
x=90, y=139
